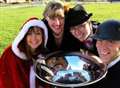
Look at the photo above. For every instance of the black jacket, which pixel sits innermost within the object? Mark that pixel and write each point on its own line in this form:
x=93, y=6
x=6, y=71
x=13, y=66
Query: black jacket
x=112, y=79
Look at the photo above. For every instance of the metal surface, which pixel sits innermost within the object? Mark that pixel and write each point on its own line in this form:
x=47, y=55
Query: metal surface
x=69, y=70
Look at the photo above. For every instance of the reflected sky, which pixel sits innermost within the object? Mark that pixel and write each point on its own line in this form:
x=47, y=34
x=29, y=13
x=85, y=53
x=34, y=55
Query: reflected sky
x=75, y=64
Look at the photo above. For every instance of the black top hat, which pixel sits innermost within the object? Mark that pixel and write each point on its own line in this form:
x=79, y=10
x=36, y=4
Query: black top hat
x=77, y=15
x=108, y=30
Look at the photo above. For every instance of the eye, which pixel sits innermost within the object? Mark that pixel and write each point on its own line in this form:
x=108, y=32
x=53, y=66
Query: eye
x=74, y=28
x=60, y=18
x=82, y=25
x=52, y=18
x=38, y=33
x=111, y=42
x=29, y=33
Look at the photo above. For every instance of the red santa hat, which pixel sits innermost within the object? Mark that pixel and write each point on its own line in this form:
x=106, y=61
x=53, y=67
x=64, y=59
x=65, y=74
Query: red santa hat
x=30, y=22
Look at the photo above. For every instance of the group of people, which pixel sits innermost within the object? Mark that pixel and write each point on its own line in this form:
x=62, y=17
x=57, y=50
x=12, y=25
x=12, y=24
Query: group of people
x=64, y=30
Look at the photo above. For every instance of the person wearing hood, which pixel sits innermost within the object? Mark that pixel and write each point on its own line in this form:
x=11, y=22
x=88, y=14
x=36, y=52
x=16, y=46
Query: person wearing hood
x=79, y=25
x=16, y=64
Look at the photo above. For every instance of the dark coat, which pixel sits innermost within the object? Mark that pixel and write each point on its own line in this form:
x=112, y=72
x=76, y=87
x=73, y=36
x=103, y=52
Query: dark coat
x=112, y=79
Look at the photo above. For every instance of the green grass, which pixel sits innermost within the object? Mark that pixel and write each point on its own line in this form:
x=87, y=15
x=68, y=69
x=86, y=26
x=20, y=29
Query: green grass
x=102, y=12
x=12, y=17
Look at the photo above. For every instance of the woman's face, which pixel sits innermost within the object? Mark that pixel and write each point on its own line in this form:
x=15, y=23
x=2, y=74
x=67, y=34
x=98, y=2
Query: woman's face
x=81, y=31
x=34, y=37
x=107, y=50
x=56, y=24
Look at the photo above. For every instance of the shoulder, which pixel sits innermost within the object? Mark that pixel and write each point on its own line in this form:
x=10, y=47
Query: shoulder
x=7, y=53
x=95, y=25
x=45, y=22
x=95, y=22
x=7, y=49
x=47, y=25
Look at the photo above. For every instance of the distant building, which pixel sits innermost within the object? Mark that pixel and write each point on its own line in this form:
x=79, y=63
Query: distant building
x=17, y=1
x=14, y=1
x=20, y=1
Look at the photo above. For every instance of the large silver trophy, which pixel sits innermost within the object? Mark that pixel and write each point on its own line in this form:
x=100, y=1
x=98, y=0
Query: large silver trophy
x=70, y=69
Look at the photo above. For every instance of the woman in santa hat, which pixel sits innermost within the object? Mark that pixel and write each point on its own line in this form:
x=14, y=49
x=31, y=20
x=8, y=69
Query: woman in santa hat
x=16, y=64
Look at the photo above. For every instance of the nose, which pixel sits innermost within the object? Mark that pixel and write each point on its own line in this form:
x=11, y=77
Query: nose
x=79, y=31
x=33, y=35
x=57, y=21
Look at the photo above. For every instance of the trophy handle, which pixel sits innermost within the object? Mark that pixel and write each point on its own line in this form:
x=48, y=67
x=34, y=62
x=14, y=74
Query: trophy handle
x=40, y=64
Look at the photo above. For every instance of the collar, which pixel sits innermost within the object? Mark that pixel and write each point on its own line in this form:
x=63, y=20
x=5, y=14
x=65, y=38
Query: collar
x=114, y=62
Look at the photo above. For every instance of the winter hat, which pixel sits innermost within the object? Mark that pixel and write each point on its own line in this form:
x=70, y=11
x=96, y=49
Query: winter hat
x=108, y=30
x=77, y=15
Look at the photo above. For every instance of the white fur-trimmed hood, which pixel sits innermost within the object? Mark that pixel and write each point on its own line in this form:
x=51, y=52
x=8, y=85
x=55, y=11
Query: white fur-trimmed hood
x=22, y=33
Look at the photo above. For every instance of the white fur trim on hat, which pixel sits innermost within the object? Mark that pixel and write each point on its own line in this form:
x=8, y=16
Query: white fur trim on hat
x=23, y=32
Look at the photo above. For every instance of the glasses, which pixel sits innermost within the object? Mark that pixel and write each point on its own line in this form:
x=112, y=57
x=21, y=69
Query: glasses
x=80, y=26
x=56, y=17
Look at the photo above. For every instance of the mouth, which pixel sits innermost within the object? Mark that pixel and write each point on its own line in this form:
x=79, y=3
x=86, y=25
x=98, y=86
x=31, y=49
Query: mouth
x=81, y=37
x=104, y=53
x=34, y=42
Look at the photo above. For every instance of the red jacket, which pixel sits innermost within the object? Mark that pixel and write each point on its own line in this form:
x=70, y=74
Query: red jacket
x=14, y=72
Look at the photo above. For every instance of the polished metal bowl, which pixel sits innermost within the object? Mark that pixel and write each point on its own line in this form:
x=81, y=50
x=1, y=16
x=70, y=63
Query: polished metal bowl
x=69, y=69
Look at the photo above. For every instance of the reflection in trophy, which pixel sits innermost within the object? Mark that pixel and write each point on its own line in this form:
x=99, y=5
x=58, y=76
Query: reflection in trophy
x=69, y=70
x=57, y=63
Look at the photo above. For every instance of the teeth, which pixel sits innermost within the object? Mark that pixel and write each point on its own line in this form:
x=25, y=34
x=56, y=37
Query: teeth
x=33, y=42
x=104, y=53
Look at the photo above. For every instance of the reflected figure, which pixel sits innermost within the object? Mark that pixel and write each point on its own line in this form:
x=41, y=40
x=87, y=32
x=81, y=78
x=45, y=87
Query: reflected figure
x=93, y=69
x=57, y=63
x=69, y=70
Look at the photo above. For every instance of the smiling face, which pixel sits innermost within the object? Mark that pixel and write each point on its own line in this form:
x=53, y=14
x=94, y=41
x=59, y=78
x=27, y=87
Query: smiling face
x=34, y=37
x=54, y=14
x=81, y=31
x=108, y=50
x=56, y=24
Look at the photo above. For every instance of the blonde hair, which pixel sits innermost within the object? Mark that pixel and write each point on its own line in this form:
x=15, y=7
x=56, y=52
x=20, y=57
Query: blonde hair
x=54, y=9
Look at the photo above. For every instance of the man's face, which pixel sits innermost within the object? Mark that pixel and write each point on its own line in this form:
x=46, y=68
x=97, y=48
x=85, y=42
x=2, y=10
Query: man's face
x=81, y=31
x=56, y=24
x=107, y=50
